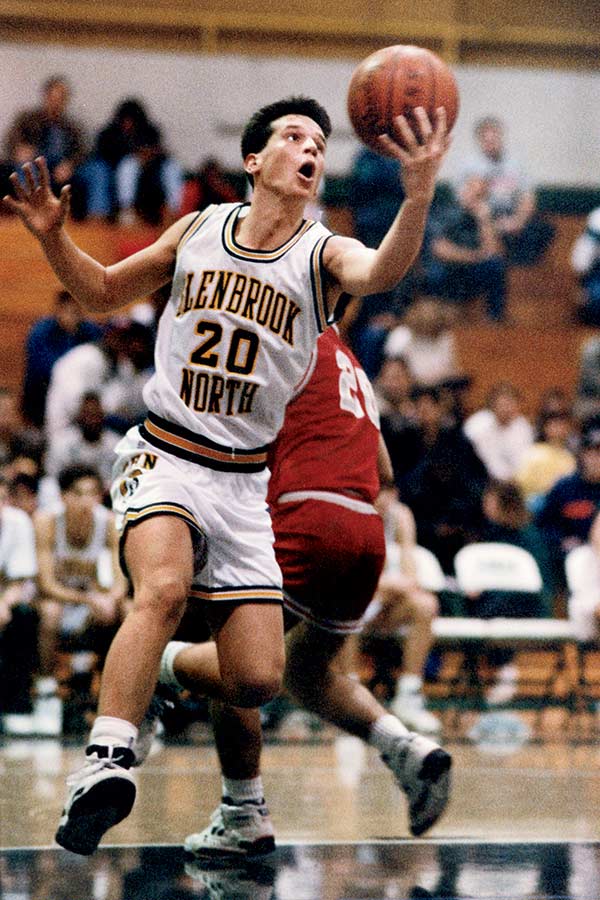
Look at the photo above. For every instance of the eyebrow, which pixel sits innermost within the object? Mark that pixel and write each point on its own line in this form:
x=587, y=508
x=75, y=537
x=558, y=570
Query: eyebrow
x=298, y=126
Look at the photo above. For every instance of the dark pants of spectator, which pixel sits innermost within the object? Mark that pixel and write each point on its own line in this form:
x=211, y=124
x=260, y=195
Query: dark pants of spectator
x=508, y=605
x=461, y=282
x=18, y=660
x=527, y=246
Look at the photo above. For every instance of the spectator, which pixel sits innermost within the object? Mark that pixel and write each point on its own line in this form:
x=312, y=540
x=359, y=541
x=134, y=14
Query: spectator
x=587, y=394
x=401, y=601
x=584, y=599
x=49, y=131
x=209, y=184
x=16, y=439
x=548, y=459
x=120, y=138
x=426, y=342
x=568, y=510
x=375, y=194
x=78, y=612
x=525, y=235
x=441, y=479
x=466, y=256
x=117, y=367
x=500, y=433
x=23, y=492
x=585, y=259
x=50, y=338
x=88, y=442
x=18, y=619
x=149, y=182
x=507, y=521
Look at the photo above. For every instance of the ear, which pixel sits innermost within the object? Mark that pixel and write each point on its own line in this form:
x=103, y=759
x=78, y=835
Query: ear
x=252, y=163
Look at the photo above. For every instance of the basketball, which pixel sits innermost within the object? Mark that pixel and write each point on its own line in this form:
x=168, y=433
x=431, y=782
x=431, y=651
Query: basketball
x=391, y=82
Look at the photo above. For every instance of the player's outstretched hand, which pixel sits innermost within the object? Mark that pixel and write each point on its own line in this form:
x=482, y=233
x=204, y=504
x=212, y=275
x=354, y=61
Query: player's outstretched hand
x=421, y=151
x=34, y=202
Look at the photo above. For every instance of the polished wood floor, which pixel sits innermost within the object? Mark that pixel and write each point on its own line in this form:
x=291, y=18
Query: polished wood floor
x=523, y=823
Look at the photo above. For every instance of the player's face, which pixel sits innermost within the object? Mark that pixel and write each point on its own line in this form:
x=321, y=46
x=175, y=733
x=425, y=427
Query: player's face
x=293, y=159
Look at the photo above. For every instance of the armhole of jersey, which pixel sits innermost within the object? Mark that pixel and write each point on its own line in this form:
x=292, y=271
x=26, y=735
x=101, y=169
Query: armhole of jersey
x=308, y=372
x=195, y=225
x=317, y=280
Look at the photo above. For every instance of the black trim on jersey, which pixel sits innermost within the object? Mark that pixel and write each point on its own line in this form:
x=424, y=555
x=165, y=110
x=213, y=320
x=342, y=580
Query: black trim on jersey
x=202, y=212
x=185, y=516
x=329, y=316
x=340, y=307
x=246, y=252
x=237, y=463
x=238, y=601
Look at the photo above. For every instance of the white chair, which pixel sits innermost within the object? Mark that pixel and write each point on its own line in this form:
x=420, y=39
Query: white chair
x=496, y=567
x=429, y=573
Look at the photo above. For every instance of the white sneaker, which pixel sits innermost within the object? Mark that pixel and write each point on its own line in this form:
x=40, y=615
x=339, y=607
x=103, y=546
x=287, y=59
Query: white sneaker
x=505, y=688
x=101, y=794
x=151, y=724
x=253, y=880
x=409, y=707
x=245, y=830
x=422, y=769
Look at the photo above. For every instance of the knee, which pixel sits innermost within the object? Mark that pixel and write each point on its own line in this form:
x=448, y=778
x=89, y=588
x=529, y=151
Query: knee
x=256, y=687
x=163, y=597
x=427, y=607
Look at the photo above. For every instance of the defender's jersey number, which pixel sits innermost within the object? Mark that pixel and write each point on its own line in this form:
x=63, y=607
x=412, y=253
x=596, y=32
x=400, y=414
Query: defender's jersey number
x=353, y=385
x=241, y=355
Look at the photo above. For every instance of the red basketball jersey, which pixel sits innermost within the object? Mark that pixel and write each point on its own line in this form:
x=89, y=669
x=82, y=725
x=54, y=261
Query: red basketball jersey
x=330, y=435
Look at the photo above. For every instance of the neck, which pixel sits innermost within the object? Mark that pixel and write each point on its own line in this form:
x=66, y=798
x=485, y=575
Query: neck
x=272, y=219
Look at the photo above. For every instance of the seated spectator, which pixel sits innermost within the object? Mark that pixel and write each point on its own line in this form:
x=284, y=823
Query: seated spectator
x=425, y=340
x=209, y=184
x=48, y=339
x=585, y=260
x=524, y=234
x=567, y=511
x=507, y=521
x=49, y=131
x=23, y=492
x=374, y=195
x=587, y=391
x=400, y=601
x=18, y=618
x=78, y=613
x=117, y=368
x=548, y=459
x=120, y=138
x=88, y=442
x=584, y=601
x=149, y=182
x=466, y=256
x=16, y=439
x=500, y=433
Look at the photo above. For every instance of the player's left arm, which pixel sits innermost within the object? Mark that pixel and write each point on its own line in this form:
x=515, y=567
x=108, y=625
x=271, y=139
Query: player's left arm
x=359, y=270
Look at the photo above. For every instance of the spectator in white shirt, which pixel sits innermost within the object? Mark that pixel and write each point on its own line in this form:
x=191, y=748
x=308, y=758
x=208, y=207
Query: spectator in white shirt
x=425, y=340
x=500, y=433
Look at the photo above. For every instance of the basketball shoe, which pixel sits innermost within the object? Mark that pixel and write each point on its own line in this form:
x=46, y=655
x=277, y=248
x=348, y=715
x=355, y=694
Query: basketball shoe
x=101, y=794
x=251, y=881
x=234, y=831
x=162, y=700
x=422, y=770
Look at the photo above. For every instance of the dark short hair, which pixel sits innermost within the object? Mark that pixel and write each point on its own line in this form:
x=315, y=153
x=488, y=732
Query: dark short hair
x=53, y=80
x=259, y=127
x=488, y=122
x=71, y=474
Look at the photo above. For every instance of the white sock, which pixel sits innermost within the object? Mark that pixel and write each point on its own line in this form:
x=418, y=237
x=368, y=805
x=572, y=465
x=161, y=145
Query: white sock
x=242, y=790
x=112, y=732
x=385, y=732
x=166, y=674
x=46, y=686
x=409, y=684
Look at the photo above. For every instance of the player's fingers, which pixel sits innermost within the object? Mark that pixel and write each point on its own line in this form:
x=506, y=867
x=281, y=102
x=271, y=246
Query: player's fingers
x=17, y=187
x=29, y=177
x=42, y=171
x=441, y=129
x=10, y=203
x=393, y=148
x=406, y=133
x=423, y=123
x=65, y=198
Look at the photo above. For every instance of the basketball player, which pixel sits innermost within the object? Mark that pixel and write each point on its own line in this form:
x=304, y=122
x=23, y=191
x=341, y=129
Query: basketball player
x=71, y=542
x=253, y=285
x=330, y=545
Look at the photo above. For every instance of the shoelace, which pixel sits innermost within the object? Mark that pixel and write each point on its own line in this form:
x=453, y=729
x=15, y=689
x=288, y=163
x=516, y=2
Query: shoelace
x=92, y=765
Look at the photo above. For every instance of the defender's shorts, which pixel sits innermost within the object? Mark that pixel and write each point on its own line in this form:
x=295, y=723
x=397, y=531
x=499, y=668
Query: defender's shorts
x=331, y=552
x=226, y=511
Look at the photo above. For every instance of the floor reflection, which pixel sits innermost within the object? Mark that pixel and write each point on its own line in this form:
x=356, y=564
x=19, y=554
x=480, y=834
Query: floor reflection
x=369, y=871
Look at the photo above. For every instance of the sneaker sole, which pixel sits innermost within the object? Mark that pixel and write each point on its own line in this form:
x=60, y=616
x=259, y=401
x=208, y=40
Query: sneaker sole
x=436, y=765
x=87, y=823
x=261, y=847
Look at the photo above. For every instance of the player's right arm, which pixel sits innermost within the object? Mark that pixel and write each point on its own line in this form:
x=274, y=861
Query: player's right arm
x=96, y=287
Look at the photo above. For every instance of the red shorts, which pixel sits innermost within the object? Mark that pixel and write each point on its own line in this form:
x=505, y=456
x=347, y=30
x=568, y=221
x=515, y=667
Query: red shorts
x=331, y=557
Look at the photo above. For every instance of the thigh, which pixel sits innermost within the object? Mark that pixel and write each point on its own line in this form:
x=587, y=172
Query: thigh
x=158, y=549
x=249, y=638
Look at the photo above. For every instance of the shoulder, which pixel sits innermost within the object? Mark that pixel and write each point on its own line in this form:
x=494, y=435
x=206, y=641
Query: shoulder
x=16, y=519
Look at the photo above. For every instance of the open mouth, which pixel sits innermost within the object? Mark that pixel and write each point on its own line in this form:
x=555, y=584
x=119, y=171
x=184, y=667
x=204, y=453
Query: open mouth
x=307, y=170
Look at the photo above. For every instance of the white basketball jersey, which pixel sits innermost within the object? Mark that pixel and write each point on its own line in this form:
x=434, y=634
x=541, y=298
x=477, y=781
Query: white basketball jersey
x=237, y=334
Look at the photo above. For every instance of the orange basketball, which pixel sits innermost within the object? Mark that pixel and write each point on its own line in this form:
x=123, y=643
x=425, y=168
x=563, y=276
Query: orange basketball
x=391, y=82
